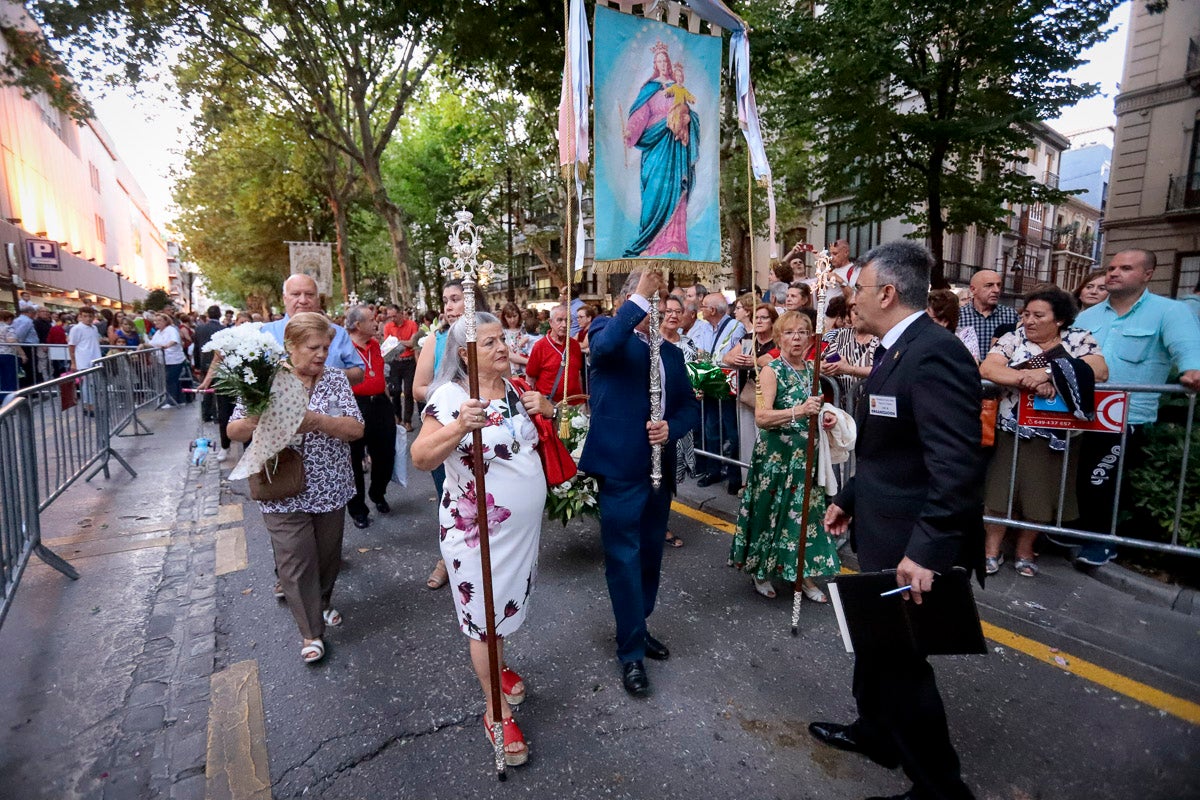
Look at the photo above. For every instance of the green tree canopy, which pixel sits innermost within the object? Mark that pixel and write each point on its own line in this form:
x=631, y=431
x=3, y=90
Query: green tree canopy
x=922, y=110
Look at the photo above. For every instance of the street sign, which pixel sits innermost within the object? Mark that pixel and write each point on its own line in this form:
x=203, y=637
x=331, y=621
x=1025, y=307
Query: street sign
x=42, y=254
x=1110, y=414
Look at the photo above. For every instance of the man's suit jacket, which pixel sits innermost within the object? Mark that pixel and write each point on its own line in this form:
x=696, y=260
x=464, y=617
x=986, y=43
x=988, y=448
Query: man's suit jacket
x=619, y=385
x=917, y=488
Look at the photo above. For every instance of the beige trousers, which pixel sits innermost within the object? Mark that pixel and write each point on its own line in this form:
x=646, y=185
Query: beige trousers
x=308, y=555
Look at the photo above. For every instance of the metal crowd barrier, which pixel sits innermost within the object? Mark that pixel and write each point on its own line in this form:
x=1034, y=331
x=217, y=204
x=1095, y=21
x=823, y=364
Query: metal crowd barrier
x=1114, y=514
x=1182, y=494
x=52, y=434
x=53, y=360
x=710, y=406
x=20, y=523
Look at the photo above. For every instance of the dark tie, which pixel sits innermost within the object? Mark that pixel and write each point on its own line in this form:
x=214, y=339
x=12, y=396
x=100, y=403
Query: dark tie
x=880, y=352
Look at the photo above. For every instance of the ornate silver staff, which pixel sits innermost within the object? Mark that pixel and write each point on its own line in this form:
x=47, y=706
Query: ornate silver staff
x=824, y=267
x=656, y=406
x=464, y=244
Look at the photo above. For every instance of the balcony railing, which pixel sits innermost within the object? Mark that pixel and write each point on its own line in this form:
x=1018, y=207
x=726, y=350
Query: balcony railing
x=1183, y=194
x=1050, y=179
x=1074, y=244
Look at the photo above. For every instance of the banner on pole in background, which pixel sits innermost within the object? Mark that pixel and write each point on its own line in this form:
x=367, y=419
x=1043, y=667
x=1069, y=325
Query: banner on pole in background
x=657, y=196
x=314, y=259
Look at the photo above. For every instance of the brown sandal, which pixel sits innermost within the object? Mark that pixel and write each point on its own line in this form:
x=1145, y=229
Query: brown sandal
x=439, y=577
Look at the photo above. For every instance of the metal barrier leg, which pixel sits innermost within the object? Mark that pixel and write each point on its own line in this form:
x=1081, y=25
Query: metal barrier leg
x=52, y=559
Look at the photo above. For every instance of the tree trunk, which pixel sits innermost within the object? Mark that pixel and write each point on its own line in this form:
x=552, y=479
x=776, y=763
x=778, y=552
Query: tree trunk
x=394, y=218
x=341, y=228
x=936, y=223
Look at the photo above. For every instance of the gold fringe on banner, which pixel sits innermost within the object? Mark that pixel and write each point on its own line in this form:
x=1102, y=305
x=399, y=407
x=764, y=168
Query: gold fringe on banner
x=623, y=266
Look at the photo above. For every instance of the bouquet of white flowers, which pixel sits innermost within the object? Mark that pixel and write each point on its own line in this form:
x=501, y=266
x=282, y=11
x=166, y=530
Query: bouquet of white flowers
x=577, y=496
x=250, y=359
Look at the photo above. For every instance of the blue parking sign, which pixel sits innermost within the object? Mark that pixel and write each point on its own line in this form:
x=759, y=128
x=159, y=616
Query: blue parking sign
x=42, y=254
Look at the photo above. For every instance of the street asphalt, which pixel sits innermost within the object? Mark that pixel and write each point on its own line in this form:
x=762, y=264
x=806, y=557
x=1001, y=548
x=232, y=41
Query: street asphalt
x=1087, y=691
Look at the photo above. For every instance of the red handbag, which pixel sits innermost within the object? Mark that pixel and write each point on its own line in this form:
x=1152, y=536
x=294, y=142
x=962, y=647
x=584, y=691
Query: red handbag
x=556, y=459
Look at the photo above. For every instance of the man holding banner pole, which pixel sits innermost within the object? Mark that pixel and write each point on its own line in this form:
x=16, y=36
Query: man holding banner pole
x=633, y=514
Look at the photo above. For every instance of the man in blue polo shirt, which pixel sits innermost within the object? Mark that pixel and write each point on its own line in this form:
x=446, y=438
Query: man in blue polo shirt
x=299, y=295
x=1143, y=336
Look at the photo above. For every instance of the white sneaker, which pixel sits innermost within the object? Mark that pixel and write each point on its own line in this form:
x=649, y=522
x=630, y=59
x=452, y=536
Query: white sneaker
x=222, y=454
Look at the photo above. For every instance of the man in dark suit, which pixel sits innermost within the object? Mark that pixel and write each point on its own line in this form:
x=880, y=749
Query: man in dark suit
x=913, y=505
x=633, y=515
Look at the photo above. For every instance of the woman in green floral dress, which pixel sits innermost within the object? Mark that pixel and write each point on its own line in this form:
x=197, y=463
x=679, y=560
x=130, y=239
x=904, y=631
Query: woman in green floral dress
x=768, y=529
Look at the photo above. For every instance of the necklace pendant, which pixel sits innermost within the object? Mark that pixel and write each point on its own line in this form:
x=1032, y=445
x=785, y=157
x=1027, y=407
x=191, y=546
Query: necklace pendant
x=516, y=446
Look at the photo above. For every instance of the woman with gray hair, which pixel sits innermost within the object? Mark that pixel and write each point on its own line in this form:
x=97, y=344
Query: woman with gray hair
x=306, y=529
x=379, y=433
x=515, y=499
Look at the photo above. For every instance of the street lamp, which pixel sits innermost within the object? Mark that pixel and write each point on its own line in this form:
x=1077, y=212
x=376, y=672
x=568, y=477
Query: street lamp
x=120, y=295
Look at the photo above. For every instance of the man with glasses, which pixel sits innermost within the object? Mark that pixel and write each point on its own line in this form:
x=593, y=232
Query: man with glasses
x=913, y=505
x=716, y=334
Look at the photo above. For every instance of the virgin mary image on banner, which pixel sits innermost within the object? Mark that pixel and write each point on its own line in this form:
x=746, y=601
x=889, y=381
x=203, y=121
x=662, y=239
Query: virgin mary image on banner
x=656, y=143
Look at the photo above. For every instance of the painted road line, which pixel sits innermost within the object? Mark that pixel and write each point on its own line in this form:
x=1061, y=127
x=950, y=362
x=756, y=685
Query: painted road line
x=1143, y=693
x=702, y=516
x=231, y=512
x=237, y=736
x=1176, y=706
x=231, y=551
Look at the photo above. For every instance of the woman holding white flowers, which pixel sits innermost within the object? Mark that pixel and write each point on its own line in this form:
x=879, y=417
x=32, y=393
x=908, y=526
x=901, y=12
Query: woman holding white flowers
x=306, y=529
x=514, y=499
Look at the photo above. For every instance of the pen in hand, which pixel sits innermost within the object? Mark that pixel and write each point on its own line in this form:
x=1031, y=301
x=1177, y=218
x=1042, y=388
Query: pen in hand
x=896, y=591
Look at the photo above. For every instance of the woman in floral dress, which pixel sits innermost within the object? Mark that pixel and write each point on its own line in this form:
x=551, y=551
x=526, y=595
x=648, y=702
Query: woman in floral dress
x=515, y=500
x=768, y=528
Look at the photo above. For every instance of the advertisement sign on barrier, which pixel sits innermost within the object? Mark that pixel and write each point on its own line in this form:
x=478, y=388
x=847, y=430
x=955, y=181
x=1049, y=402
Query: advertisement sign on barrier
x=1110, y=414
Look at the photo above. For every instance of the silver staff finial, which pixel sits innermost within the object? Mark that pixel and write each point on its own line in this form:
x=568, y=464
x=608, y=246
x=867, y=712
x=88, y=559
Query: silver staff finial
x=464, y=244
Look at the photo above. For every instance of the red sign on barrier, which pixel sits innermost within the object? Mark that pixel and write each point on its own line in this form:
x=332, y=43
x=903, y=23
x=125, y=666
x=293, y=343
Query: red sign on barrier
x=1110, y=414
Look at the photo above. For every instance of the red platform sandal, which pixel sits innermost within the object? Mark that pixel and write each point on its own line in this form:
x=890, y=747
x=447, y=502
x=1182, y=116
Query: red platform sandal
x=508, y=682
x=512, y=736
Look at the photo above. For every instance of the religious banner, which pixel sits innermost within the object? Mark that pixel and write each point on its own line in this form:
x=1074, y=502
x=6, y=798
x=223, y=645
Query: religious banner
x=314, y=259
x=657, y=92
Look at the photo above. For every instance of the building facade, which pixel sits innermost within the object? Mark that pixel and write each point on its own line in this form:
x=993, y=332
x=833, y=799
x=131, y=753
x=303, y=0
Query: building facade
x=1022, y=253
x=1154, y=198
x=74, y=225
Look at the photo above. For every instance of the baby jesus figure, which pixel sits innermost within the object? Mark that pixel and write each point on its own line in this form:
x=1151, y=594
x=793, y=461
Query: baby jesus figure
x=679, y=118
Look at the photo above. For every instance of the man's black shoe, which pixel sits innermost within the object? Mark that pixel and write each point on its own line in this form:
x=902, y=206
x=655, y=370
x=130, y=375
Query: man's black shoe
x=360, y=520
x=382, y=507
x=708, y=480
x=733, y=488
x=656, y=649
x=635, y=680
x=842, y=737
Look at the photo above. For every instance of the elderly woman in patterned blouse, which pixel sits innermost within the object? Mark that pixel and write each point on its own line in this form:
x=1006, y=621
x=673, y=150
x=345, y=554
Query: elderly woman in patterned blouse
x=306, y=530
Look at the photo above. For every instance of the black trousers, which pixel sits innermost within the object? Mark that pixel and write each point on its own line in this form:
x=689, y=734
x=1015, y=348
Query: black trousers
x=1096, y=486
x=224, y=412
x=400, y=383
x=378, y=441
x=900, y=712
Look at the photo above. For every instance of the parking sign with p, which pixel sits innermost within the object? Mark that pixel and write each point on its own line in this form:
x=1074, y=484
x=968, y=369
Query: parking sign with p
x=42, y=254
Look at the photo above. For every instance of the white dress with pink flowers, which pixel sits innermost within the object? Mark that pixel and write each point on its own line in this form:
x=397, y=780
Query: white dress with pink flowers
x=516, y=495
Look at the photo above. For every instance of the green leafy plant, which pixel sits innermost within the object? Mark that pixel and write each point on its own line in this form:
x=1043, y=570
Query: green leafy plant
x=1156, y=483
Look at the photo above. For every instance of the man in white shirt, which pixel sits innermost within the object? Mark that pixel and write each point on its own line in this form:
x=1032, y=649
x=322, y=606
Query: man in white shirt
x=83, y=346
